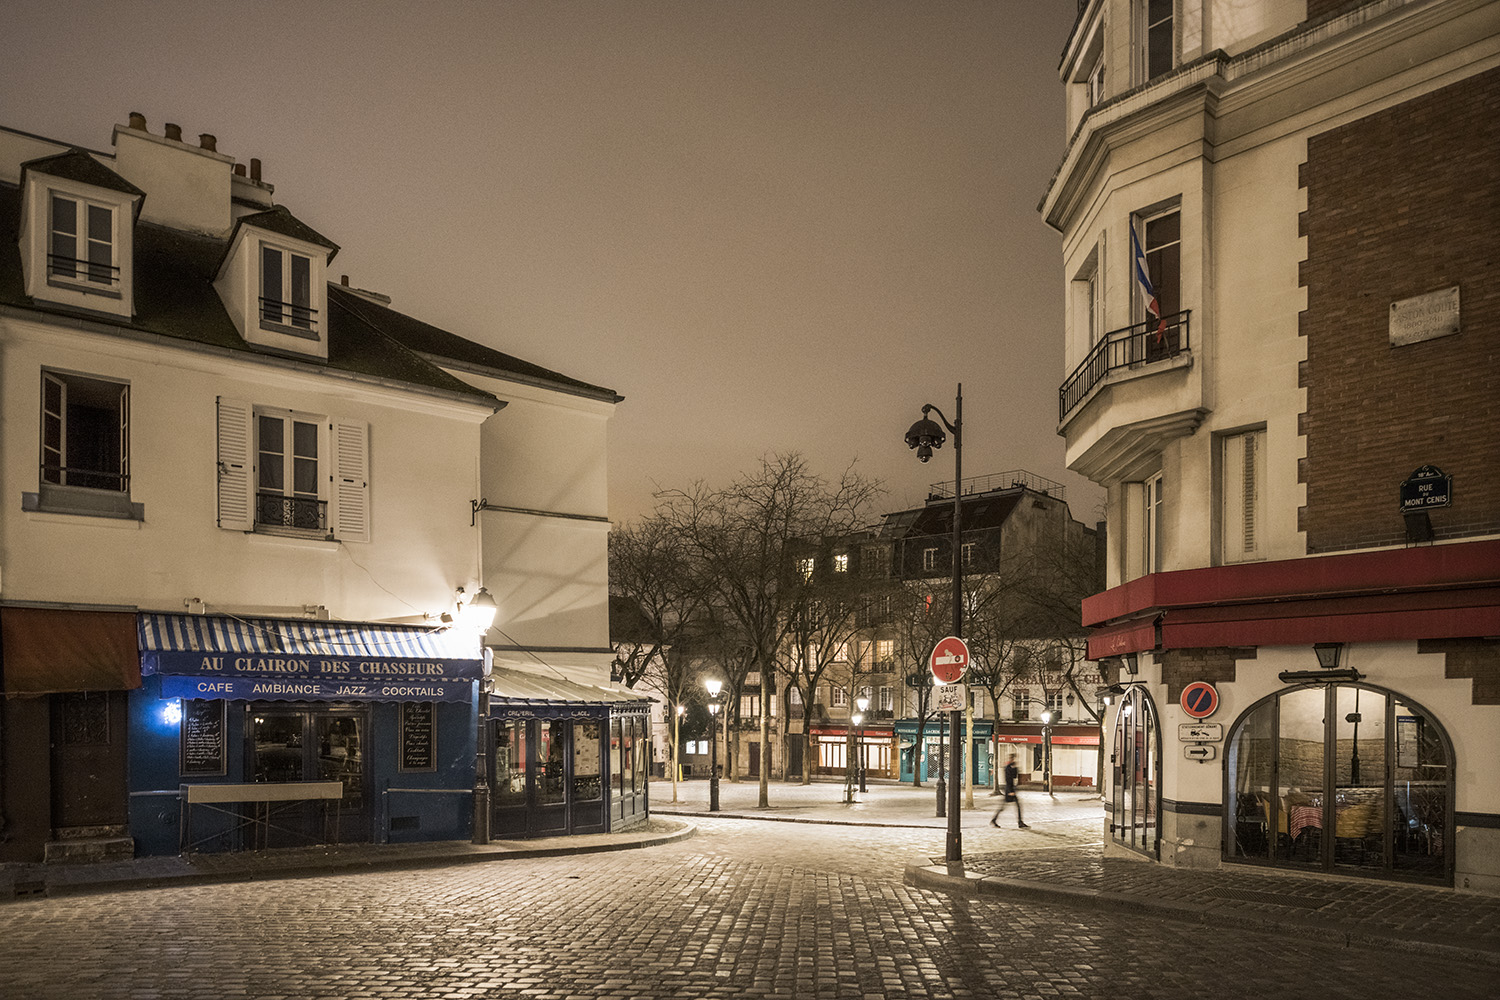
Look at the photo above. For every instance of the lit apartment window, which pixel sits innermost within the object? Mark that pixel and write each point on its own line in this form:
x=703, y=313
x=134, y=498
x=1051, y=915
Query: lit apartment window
x=929, y=560
x=81, y=244
x=887, y=699
x=841, y=562
x=966, y=553
x=286, y=291
x=840, y=698
x=841, y=653
x=805, y=567
x=1160, y=49
x=885, y=652
x=1242, y=468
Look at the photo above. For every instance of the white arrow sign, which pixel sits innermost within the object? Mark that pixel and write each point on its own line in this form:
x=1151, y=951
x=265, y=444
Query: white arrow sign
x=1200, y=751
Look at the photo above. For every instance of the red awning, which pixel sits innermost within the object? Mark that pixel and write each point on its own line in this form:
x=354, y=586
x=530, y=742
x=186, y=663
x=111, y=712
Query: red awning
x=47, y=651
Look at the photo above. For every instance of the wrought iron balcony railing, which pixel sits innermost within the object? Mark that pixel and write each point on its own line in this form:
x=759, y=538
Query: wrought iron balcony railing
x=288, y=314
x=1142, y=344
x=78, y=269
x=276, y=510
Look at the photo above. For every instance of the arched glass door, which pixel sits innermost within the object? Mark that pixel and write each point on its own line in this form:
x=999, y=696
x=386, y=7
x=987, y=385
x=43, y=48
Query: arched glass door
x=1340, y=777
x=1135, y=766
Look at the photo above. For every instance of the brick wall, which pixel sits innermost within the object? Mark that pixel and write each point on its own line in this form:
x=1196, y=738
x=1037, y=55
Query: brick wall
x=1180, y=667
x=1399, y=204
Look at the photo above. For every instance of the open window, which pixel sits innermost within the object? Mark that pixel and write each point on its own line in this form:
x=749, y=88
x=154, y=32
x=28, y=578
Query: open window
x=84, y=451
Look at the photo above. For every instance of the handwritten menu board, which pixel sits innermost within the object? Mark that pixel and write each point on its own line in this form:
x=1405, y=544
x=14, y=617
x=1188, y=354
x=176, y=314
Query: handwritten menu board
x=202, y=736
x=418, y=736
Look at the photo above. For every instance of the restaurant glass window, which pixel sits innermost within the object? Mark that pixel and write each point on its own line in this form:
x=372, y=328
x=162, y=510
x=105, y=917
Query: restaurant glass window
x=1340, y=777
x=551, y=780
x=510, y=764
x=588, y=781
x=639, y=768
x=341, y=755
x=616, y=741
x=627, y=755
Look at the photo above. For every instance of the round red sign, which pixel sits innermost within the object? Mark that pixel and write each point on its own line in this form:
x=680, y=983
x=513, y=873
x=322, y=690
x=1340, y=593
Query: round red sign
x=949, y=659
x=1200, y=699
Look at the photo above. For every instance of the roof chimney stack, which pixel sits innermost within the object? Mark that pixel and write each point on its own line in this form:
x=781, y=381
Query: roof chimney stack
x=173, y=132
x=208, y=142
x=254, y=169
x=239, y=170
x=137, y=121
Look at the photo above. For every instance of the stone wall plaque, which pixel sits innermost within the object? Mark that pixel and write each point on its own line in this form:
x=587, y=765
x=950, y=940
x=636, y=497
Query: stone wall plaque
x=1424, y=317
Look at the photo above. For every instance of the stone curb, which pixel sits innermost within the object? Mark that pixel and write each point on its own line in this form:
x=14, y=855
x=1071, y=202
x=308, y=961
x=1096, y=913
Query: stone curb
x=1339, y=932
x=318, y=867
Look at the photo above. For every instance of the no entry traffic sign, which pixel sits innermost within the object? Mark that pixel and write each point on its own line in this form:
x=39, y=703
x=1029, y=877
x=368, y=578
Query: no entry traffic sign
x=949, y=659
x=1200, y=699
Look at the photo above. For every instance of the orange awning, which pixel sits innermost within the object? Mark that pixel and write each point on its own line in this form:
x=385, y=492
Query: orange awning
x=46, y=651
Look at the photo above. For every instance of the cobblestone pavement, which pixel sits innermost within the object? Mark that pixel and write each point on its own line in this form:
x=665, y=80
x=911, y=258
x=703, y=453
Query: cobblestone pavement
x=746, y=908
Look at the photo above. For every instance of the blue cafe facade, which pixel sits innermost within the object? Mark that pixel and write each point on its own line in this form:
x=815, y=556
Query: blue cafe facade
x=253, y=733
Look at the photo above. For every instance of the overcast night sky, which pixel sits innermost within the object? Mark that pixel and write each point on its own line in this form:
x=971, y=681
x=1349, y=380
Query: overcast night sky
x=769, y=226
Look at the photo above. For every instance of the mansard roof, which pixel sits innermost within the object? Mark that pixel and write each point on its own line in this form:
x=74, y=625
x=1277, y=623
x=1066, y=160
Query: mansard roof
x=175, y=298
x=445, y=348
x=77, y=165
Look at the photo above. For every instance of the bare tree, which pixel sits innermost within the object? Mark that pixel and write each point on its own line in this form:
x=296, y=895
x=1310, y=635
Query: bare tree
x=745, y=536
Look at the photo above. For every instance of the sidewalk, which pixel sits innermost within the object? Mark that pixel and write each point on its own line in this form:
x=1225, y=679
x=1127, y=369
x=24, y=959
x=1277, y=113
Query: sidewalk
x=1059, y=860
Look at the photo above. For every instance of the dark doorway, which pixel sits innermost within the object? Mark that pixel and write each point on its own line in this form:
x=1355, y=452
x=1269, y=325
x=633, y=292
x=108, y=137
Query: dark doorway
x=88, y=759
x=296, y=743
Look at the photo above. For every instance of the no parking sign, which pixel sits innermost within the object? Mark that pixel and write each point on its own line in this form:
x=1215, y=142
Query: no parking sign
x=1200, y=699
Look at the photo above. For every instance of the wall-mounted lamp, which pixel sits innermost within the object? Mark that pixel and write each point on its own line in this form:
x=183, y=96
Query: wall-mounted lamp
x=171, y=712
x=479, y=613
x=1131, y=662
x=1328, y=654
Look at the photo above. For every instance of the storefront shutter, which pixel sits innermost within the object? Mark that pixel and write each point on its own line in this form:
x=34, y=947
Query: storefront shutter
x=350, y=518
x=236, y=445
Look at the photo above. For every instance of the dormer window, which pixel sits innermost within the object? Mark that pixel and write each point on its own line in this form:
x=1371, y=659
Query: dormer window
x=272, y=281
x=286, y=292
x=77, y=233
x=81, y=245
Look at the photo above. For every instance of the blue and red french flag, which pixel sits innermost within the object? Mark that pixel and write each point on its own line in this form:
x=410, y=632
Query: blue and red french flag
x=1143, y=278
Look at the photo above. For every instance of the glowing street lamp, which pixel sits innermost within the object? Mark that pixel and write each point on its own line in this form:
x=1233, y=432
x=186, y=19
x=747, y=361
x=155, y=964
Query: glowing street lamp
x=714, y=687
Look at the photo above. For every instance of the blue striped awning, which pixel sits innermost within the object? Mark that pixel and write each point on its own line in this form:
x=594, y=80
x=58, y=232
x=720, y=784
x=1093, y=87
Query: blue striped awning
x=233, y=657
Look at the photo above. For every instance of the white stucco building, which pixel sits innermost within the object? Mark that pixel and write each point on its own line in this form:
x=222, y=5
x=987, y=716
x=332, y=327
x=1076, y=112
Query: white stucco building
x=1298, y=444
x=246, y=507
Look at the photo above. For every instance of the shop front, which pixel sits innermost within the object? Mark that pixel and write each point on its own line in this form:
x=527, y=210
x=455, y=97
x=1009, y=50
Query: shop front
x=565, y=758
x=931, y=756
x=66, y=676
x=873, y=750
x=250, y=733
x=1073, y=747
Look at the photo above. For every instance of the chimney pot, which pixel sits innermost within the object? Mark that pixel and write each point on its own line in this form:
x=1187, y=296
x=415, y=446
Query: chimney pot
x=138, y=121
x=173, y=132
x=344, y=281
x=239, y=170
x=208, y=142
x=254, y=169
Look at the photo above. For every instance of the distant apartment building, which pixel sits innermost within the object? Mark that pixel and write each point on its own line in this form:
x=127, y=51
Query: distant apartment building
x=1282, y=338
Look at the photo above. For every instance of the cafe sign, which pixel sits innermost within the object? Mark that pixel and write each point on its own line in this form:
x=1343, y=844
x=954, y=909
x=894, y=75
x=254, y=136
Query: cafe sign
x=1426, y=488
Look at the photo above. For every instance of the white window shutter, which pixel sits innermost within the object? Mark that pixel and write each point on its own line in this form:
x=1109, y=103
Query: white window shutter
x=236, y=447
x=350, y=494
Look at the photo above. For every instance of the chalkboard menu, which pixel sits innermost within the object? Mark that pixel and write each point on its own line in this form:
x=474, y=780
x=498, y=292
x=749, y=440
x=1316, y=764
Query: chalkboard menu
x=202, y=736
x=418, y=736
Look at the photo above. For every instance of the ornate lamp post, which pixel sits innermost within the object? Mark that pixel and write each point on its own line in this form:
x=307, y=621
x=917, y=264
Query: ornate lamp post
x=862, y=703
x=479, y=614
x=1047, y=749
x=676, y=748
x=925, y=435
x=714, y=686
